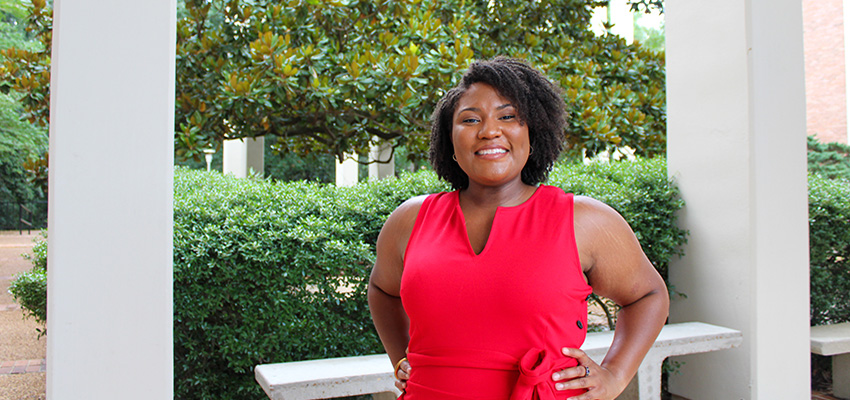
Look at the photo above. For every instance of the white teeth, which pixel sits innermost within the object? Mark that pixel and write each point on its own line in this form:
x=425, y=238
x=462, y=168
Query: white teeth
x=491, y=151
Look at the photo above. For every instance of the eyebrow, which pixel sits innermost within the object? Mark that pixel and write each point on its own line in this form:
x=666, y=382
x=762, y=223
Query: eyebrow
x=501, y=107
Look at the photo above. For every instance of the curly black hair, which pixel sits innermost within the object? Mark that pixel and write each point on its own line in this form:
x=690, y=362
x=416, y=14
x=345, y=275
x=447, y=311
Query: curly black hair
x=538, y=103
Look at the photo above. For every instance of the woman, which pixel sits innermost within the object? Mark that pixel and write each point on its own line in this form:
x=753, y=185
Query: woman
x=480, y=293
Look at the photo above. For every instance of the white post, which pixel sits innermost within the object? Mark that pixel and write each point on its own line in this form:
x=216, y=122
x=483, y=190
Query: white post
x=234, y=158
x=384, y=167
x=736, y=147
x=208, y=156
x=110, y=217
x=241, y=156
x=346, y=171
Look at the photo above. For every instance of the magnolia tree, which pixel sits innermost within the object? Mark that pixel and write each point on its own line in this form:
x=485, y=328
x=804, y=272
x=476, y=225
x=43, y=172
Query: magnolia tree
x=23, y=167
x=337, y=77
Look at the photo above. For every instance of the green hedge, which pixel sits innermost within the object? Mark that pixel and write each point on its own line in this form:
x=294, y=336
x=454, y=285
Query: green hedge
x=829, y=241
x=272, y=272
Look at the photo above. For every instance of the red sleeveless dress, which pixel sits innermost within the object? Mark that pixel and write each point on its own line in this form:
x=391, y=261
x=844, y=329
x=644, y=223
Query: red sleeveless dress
x=491, y=326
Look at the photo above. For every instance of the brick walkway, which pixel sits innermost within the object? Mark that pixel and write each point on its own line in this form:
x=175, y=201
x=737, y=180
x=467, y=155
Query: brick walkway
x=23, y=373
x=22, y=367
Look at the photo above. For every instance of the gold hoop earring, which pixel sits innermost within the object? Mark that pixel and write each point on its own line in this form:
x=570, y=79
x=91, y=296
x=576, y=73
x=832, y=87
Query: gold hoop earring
x=454, y=157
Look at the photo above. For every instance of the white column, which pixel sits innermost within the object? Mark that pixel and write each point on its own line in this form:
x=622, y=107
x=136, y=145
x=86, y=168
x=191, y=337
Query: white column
x=234, y=158
x=346, y=171
x=736, y=117
x=241, y=156
x=110, y=217
x=623, y=20
x=598, y=19
x=384, y=167
x=620, y=15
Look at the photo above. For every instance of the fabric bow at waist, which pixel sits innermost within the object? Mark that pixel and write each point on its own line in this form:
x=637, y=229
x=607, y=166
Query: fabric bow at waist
x=535, y=368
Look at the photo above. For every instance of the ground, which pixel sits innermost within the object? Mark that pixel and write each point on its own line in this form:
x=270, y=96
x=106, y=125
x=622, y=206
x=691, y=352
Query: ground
x=19, y=342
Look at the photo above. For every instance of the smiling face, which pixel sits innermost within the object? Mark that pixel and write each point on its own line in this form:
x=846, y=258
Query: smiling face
x=490, y=142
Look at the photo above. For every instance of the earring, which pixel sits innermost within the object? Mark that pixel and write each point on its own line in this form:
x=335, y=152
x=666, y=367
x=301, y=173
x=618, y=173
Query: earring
x=454, y=157
x=531, y=150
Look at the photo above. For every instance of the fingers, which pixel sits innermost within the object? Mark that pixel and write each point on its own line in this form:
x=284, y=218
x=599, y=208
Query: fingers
x=579, y=371
x=578, y=354
x=584, y=368
x=598, y=381
x=403, y=375
x=578, y=377
x=581, y=382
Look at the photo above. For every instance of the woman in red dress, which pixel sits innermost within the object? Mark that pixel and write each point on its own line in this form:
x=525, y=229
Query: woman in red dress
x=480, y=293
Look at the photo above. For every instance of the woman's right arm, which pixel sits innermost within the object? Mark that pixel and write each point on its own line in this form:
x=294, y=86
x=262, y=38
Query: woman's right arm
x=385, y=281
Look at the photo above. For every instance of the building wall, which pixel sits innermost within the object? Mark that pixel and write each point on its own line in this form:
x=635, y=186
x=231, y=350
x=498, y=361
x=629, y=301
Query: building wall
x=826, y=91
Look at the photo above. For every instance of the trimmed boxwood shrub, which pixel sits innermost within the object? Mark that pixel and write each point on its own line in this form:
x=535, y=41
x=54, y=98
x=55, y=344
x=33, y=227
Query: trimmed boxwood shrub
x=829, y=242
x=829, y=261
x=273, y=272
x=262, y=272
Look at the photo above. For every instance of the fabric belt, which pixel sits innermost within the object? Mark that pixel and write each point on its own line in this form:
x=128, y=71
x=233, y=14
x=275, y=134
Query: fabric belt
x=535, y=367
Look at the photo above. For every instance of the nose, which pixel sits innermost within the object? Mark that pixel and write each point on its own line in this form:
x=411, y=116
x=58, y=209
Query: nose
x=490, y=129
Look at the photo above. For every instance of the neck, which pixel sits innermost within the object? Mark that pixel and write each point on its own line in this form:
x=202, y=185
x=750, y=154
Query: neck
x=509, y=195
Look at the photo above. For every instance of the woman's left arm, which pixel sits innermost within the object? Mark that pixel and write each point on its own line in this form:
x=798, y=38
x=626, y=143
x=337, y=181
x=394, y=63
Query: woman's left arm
x=616, y=268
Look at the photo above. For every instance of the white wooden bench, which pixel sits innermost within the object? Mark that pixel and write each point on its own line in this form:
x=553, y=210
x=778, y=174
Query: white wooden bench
x=349, y=376
x=834, y=340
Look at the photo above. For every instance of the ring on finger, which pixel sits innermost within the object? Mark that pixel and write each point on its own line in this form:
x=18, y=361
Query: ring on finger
x=586, y=371
x=398, y=367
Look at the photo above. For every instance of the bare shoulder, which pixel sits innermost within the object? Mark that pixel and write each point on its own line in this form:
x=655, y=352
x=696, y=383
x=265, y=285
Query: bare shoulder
x=404, y=216
x=392, y=242
x=600, y=231
x=593, y=214
x=611, y=256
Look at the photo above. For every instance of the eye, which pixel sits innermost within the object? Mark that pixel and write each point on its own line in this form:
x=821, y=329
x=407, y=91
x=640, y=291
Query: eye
x=508, y=117
x=469, y=120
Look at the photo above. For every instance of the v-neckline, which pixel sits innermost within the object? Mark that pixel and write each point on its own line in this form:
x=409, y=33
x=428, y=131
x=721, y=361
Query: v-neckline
x=489, y=240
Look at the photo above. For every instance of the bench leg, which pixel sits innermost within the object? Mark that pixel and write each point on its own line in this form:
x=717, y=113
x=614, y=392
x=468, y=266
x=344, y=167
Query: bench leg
x=384, y=396
x=841, y=375
x=646, y=384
